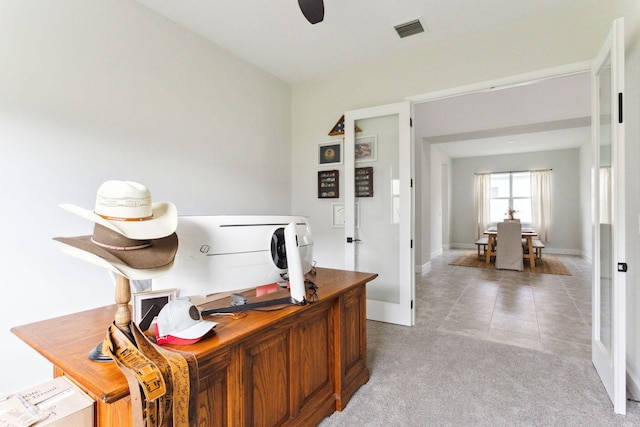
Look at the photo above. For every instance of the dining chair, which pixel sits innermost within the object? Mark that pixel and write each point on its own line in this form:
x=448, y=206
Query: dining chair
x=509, y=247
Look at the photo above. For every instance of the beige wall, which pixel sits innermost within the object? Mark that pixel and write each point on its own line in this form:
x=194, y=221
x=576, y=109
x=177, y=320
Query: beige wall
x=564, y=235
x=94, y=90
x=105, y=89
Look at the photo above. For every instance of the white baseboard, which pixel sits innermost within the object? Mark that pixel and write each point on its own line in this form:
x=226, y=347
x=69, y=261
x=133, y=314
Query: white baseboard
x=463, y=246
x=633, y=383
x=436, y=253
x=424, y=268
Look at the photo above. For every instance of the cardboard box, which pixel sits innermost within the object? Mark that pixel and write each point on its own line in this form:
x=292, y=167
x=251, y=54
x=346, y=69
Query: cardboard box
x=68, y=405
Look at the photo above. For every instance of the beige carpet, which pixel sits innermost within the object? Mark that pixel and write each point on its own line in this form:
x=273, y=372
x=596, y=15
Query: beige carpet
x=549, y=264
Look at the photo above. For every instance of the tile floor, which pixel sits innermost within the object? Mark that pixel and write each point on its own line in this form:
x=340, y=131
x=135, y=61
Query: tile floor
x=545, y=312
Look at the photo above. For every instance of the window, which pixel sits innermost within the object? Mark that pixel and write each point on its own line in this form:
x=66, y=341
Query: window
x=510, y=190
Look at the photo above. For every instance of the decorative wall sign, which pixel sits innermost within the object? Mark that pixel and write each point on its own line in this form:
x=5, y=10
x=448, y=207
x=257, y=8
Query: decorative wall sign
x=330, y=153
x=328, y=184
x=337, y=215
x=365, y=149
x=364, y=182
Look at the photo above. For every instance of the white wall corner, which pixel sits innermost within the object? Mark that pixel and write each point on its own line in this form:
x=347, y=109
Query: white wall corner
x=436, y=253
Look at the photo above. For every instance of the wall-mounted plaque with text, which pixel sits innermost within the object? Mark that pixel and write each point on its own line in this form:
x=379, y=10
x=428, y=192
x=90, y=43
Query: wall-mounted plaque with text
x=328, y=184
x=364, y=182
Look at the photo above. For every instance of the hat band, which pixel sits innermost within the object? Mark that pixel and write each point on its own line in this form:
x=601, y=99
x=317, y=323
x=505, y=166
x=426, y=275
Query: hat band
x=121, y=248
x=115, y=218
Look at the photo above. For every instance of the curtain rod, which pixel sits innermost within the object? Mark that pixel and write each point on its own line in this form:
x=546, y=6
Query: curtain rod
x=531, y=170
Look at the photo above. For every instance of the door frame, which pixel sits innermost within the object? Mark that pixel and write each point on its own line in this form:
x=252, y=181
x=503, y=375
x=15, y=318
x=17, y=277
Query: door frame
x=501, y=83
x=504, y=82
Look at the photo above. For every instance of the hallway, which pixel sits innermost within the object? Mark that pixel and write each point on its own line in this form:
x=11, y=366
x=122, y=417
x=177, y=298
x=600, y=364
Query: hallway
x=544, y=312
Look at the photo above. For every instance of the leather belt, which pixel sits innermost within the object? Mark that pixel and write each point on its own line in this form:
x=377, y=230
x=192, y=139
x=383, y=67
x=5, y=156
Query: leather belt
x=163, y=383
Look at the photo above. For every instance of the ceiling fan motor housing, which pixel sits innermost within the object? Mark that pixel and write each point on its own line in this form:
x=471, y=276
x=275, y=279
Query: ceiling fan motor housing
x=313, y=10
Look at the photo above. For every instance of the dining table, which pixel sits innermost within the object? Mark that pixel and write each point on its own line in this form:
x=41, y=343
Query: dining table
x=528, y=234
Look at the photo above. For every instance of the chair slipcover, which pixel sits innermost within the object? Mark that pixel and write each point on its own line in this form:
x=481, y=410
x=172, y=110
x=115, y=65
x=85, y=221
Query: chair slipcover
x=509, y=248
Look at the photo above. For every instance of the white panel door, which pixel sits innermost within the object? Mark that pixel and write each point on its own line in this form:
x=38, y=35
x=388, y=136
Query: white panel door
x=608, y=338
x=379, y=208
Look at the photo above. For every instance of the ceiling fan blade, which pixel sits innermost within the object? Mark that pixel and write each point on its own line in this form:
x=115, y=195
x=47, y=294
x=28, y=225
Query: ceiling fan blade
x=313, y=10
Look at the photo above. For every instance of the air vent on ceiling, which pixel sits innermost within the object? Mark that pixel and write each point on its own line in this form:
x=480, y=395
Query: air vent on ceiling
x=409, y=28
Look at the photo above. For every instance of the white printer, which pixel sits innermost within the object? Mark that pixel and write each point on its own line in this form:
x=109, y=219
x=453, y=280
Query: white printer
x=228, y=253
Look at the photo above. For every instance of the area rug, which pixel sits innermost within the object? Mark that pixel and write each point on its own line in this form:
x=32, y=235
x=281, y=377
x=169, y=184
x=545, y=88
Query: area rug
x=549, y=264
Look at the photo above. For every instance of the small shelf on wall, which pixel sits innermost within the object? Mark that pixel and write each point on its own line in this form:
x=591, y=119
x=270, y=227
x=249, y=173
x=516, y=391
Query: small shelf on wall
x=338, y=128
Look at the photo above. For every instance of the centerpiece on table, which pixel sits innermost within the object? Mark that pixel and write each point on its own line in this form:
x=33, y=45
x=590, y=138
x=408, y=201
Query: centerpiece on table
x=510, y=212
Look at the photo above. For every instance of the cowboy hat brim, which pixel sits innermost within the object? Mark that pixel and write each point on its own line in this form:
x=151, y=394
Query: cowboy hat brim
x=156, y=253
x=162, y=224
x=121, y=269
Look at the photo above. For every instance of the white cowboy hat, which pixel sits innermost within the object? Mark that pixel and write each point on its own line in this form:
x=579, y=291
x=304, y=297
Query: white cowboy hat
x=126, y=208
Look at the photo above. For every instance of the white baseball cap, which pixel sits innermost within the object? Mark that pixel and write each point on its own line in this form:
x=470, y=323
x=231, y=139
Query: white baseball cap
x=180, y=322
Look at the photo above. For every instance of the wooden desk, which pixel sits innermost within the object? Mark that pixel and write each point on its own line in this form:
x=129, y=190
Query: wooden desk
x=527, y=233
x=288, y=367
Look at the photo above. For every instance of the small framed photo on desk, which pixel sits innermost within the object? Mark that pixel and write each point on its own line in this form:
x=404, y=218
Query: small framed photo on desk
x=143, y=301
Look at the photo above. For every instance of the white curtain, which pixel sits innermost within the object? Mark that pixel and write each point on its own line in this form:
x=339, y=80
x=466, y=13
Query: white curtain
x=483, y=201
x=541, y=203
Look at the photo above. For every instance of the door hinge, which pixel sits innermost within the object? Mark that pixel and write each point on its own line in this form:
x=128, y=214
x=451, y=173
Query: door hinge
x=411, y=243
x=620, y=116
x=622, y=267
x=411, y=182
x=411, y=304
x=410, y=122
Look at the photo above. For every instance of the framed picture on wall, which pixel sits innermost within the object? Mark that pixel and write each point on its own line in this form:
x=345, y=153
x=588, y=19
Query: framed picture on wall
x=144, y=301
x=329, y=184
x=364, y=182
x=337, y=215
x=365, y=149
x=330, y=153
